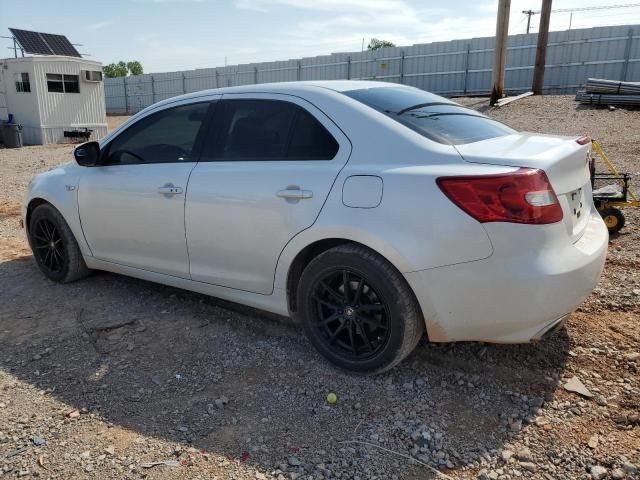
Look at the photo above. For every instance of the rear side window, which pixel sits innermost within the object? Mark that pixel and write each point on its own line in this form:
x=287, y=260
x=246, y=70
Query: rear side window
x=165, y=137
x=432, y=116
x=263, y=130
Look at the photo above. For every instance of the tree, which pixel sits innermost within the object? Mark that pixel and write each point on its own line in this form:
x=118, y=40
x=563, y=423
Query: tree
x=135, y=68
x=122, y=69
x=376, y=43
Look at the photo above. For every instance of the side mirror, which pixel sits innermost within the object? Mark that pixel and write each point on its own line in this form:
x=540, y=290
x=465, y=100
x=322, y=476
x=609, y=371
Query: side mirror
x=87, y=154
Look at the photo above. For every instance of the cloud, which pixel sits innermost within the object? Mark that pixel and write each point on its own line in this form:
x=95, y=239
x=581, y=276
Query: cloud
x=325, y=5
x=93, y=27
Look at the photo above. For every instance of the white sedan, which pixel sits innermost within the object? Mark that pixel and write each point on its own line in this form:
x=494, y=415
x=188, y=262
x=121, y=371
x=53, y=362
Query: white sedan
x=371, y=212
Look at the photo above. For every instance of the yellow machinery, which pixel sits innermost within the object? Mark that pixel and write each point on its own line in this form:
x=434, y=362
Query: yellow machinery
x=614, y=195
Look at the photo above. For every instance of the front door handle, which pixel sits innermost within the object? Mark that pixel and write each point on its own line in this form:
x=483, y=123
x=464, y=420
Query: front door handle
x=294, y=193
x=170, y=190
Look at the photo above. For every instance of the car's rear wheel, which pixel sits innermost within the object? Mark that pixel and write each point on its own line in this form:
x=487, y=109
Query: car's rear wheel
x=54, y=247
x=358, y=310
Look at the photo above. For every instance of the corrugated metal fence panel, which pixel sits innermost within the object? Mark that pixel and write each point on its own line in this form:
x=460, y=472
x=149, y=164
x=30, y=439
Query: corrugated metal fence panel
x=456, y=67
x=167, y=85
x=633, y=70
x=326, y=67
x=282, y=71
x=139, y=92
x=114, y=95
x=200, y=79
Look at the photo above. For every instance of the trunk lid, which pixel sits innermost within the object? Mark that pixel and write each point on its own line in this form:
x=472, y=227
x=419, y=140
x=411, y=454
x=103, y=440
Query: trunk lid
x=564, y=160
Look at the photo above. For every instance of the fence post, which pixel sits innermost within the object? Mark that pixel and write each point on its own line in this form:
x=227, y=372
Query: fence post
x=627, y=55
x=299, y=72
x=153, y=90
x=349, y=67
x=466, y=68
x=402, y=66
x=184, y=89
x=126, y=97
x=217, y=79
x=255, y=75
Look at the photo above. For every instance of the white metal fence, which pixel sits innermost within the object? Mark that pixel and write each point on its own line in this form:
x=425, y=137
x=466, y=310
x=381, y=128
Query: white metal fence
x=457, y=67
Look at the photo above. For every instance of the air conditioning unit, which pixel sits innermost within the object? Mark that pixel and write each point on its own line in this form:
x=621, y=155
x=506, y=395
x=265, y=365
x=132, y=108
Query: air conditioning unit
x=92, y=75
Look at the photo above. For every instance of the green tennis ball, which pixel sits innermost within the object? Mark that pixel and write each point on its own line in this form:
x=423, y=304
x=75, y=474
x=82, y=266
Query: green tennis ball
x=332, y=398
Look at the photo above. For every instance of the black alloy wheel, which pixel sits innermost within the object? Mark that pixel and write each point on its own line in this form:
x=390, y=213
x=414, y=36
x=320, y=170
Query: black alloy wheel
x=48, y=245
x=357, y=309
x=350, y=314
x=54, y=246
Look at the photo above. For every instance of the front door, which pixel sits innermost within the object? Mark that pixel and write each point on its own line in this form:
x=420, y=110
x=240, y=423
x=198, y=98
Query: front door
x=132, y=205
x=267, y=167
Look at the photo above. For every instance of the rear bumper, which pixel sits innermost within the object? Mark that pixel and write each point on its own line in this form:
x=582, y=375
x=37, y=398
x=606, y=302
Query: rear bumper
x=525, y=289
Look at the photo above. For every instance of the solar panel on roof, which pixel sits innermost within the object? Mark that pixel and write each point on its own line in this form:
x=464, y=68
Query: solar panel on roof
x=31, y=42
x=44, y=43
x=60, y=45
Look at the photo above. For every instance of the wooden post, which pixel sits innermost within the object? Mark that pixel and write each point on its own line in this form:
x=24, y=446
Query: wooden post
x=541, y=50
x=500, y=51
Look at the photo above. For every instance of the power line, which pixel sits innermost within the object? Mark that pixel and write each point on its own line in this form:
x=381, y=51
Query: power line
x=584, y=9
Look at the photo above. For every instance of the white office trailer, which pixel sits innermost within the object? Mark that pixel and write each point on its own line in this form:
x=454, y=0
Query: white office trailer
x=55, y=98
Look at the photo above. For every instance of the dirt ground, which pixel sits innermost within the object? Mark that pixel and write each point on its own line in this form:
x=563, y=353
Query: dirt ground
x=113, y=377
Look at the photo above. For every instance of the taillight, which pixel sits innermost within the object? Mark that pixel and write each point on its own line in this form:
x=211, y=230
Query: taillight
x=524, y=196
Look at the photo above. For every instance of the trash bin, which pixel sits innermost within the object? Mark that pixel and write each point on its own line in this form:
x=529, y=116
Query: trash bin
x=11, y=135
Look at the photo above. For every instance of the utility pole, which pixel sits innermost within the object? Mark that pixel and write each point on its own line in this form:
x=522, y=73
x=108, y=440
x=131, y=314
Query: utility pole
x=500, y=51
x=541, y=50
x=529, y=14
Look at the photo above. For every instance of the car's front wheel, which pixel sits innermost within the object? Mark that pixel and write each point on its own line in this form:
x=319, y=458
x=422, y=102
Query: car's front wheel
x=358, y=310
x=54, y=247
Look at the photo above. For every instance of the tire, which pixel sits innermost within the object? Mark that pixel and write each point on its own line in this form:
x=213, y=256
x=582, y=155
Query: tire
x=62, y=263
x=372, y=327
x=613, y=219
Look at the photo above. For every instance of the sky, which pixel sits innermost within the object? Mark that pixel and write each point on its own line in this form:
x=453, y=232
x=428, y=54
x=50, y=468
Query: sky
x=172, y=35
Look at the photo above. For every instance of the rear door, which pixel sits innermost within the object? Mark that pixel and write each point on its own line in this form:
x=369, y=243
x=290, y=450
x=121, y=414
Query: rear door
x=132, y=205
x=267, y=167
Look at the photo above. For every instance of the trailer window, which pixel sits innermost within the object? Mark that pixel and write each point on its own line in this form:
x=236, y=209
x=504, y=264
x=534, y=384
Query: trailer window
x=22, y=83
x=63, y=83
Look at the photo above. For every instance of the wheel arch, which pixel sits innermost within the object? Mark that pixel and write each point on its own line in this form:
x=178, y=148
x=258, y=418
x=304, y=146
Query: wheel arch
x=31, y=206
x=311, y=249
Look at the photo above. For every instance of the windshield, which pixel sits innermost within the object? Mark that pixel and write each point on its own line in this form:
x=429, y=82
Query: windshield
x=430, y=115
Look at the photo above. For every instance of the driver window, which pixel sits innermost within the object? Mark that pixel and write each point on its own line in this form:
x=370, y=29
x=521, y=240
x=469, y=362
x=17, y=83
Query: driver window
x=164, y=137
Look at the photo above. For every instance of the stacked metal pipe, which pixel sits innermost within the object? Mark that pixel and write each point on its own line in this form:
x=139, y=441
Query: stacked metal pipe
x=609, y=92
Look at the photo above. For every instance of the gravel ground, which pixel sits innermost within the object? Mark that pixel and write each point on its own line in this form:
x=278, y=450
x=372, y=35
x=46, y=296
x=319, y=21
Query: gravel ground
x=113, y=377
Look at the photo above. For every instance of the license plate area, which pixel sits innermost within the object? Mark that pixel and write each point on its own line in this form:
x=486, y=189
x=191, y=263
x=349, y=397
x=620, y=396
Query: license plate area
x=576, y=204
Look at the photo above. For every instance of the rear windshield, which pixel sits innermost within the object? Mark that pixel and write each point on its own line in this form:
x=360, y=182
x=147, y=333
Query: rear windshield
x=432, y=116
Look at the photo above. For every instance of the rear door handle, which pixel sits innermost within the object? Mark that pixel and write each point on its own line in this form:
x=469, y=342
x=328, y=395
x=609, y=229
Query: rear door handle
x=170, y=190
x=294, y=193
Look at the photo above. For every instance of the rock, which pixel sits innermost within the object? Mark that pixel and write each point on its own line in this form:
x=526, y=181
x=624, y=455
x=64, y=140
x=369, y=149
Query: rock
x=593, y=441
x=632, y=356
x=524, y=455
x=110, y=450
x=598, y=472
x=38, y=441
x=600, y=400
x=506, y=455
x=483, y=475
x=529, y=466
x=219, y=403
x=629, y=468
x=516, y=425
x=294, y=462
x=574, y=385
x=618, y=474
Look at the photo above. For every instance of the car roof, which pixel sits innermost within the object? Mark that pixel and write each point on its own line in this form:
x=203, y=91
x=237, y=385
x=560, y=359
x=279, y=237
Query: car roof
x=286, y=87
